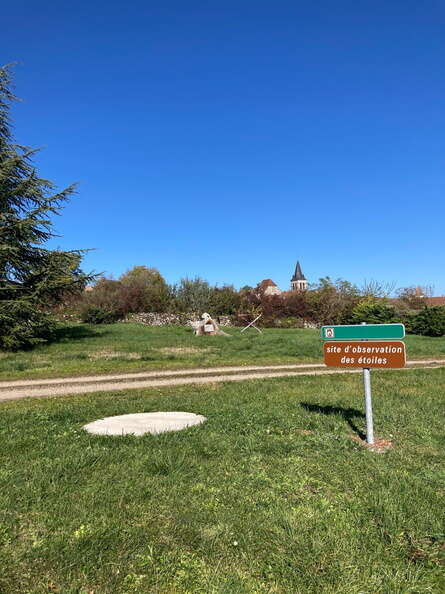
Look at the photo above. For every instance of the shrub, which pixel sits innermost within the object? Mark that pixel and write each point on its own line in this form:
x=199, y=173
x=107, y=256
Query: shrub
x=372, y=312
x=141, y=289
x=430, y=322
x=144, y=289
x=92, y=314
x=331, y=302
x=296, y=305
x=224, y=301
x=289, y=322
x=407, y=319
x=192, y=295
x=106, y=295
x=272, y=308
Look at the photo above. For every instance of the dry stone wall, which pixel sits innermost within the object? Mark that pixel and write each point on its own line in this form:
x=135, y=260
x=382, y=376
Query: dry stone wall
x=171, y=319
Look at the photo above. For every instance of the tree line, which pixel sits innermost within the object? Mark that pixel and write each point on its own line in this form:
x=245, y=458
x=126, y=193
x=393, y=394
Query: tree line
x=143, y=290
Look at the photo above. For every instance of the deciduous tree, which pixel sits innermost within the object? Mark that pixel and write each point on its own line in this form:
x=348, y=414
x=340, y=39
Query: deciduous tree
x=193, y=294
x=144, y=290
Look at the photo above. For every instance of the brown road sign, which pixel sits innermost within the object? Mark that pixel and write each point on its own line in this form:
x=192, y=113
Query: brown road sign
x=367, y=353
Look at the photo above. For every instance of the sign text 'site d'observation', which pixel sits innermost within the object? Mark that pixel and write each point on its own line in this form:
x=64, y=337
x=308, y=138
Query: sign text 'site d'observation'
x=383, y=354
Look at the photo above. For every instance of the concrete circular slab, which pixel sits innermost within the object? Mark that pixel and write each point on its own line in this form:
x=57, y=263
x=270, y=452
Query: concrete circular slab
x=140, y=423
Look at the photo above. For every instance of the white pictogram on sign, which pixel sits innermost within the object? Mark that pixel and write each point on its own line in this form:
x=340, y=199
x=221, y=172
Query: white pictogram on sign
x=329, y=332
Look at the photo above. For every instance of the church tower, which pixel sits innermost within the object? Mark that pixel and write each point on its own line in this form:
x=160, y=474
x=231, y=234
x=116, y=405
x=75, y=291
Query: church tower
x=298, y=282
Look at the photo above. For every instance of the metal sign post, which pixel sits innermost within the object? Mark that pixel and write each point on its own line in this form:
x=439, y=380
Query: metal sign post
x=356, y=346
x=368, y=402
x=368, y=405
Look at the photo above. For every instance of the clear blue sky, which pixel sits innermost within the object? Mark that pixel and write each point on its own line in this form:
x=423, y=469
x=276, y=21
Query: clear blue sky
x=227, y=139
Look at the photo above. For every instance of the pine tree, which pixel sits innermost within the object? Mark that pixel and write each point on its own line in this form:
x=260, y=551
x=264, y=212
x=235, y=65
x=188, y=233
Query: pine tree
x=32, y=277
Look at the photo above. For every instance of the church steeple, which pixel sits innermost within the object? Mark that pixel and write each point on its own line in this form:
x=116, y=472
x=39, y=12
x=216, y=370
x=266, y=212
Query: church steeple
x=298, y=282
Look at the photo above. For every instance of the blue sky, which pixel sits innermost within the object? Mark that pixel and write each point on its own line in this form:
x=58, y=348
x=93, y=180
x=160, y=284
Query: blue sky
x=229, y=139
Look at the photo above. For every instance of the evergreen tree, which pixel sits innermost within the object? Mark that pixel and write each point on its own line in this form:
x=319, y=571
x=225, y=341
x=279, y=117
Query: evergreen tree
x=32, y=278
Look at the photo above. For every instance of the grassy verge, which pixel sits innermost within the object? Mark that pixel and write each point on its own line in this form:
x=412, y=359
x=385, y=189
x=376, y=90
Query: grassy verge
x=269, y=495
x=83, y=349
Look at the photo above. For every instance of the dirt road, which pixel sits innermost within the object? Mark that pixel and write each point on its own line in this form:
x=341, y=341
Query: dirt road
x=14, y=390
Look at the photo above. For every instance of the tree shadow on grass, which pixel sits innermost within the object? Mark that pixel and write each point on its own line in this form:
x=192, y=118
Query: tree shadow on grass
x=72, y=333
x=347, y=413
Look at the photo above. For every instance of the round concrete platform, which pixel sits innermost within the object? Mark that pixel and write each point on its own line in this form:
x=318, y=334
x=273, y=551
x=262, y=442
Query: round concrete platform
x=140, y=423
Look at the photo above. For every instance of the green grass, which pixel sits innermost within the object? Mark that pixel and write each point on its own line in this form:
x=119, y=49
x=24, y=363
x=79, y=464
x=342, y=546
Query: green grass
x=84, y=349
x=270, y=495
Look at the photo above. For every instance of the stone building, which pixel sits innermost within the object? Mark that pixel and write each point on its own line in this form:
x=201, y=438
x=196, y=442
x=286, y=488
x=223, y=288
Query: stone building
x=269, y=287
x=298, y=282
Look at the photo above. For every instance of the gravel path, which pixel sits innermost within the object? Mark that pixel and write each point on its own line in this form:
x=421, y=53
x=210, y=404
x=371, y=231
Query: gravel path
x=156, y=373
x=14, y=390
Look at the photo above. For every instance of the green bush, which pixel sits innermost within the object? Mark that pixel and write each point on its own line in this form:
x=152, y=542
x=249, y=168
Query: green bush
x=98, y=315
x=224, y=301
x=407, y=319
x=289, y=322
x=430, y=322
x=142, y=289
x=372, y=312
x=192, y=294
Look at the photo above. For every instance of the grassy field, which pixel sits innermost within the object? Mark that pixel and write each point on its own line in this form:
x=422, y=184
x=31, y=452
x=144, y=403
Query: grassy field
x=84, y=349
x=270, y=495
